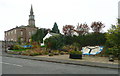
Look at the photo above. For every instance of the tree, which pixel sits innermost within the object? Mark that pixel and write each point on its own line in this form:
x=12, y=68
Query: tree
x=69, y=40
x=39, y=35
x=118, y=22
x=55, y=28
x=113, y=35
x=113, y=40
x=54, y=42
x=68, y=30
x=19, y=40
x=91, y=39
x=97, y=26
x=82, y=29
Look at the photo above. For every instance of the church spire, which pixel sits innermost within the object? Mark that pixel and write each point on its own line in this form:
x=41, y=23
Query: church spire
x=31, y=21
x=31, y=11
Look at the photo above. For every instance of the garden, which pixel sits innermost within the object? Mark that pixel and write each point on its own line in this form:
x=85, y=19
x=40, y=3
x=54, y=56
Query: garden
x=72, y=44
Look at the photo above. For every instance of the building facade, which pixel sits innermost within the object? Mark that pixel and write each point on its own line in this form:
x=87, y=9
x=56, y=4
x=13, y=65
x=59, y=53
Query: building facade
x=22, y=33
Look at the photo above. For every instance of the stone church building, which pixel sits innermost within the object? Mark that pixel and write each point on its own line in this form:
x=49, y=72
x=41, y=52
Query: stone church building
x=22, y=33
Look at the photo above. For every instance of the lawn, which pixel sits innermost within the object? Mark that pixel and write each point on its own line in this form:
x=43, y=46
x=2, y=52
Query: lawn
x=20, y=50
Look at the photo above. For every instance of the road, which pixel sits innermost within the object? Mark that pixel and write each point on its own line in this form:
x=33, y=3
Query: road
x=24, y=66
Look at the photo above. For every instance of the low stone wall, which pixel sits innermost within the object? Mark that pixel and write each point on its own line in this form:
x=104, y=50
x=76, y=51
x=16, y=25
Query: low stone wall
x=5, y=44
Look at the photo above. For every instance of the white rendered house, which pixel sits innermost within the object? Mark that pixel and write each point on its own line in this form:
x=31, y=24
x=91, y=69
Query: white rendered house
x=49, y=34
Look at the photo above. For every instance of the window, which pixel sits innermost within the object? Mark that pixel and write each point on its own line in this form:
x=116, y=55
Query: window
x=5, y=34
x=11, y=39
x=15, y=31
x=30, y=33
x=21, y=39
x=11, y=32
x=8, y=33
x=33, y=32
x=15, y=39
x=21, y=32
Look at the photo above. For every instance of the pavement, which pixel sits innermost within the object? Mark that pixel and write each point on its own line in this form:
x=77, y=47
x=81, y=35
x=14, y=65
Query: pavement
x=92, y=61
x=84, y=58
x=20, y=66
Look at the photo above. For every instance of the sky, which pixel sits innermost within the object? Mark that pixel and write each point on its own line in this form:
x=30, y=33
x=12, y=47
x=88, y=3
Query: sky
x=64, y=12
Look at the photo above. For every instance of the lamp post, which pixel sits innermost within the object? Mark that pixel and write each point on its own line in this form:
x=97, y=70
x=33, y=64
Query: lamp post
x=5, y=49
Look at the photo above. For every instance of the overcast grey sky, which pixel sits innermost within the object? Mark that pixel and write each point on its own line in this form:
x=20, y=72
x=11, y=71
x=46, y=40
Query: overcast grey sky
x=15, y=13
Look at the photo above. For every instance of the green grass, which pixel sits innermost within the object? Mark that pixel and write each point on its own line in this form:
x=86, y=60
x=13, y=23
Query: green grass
x=43, y=46
x=20, y=50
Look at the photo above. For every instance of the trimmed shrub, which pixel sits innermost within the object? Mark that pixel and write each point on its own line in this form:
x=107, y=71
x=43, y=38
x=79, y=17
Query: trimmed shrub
x=75, y=52
x=54, y=42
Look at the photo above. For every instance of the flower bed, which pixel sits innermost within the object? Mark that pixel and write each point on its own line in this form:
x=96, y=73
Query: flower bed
x=75, y=54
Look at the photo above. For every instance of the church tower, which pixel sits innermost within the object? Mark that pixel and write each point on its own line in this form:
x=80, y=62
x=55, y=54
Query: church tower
x=31, y=21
